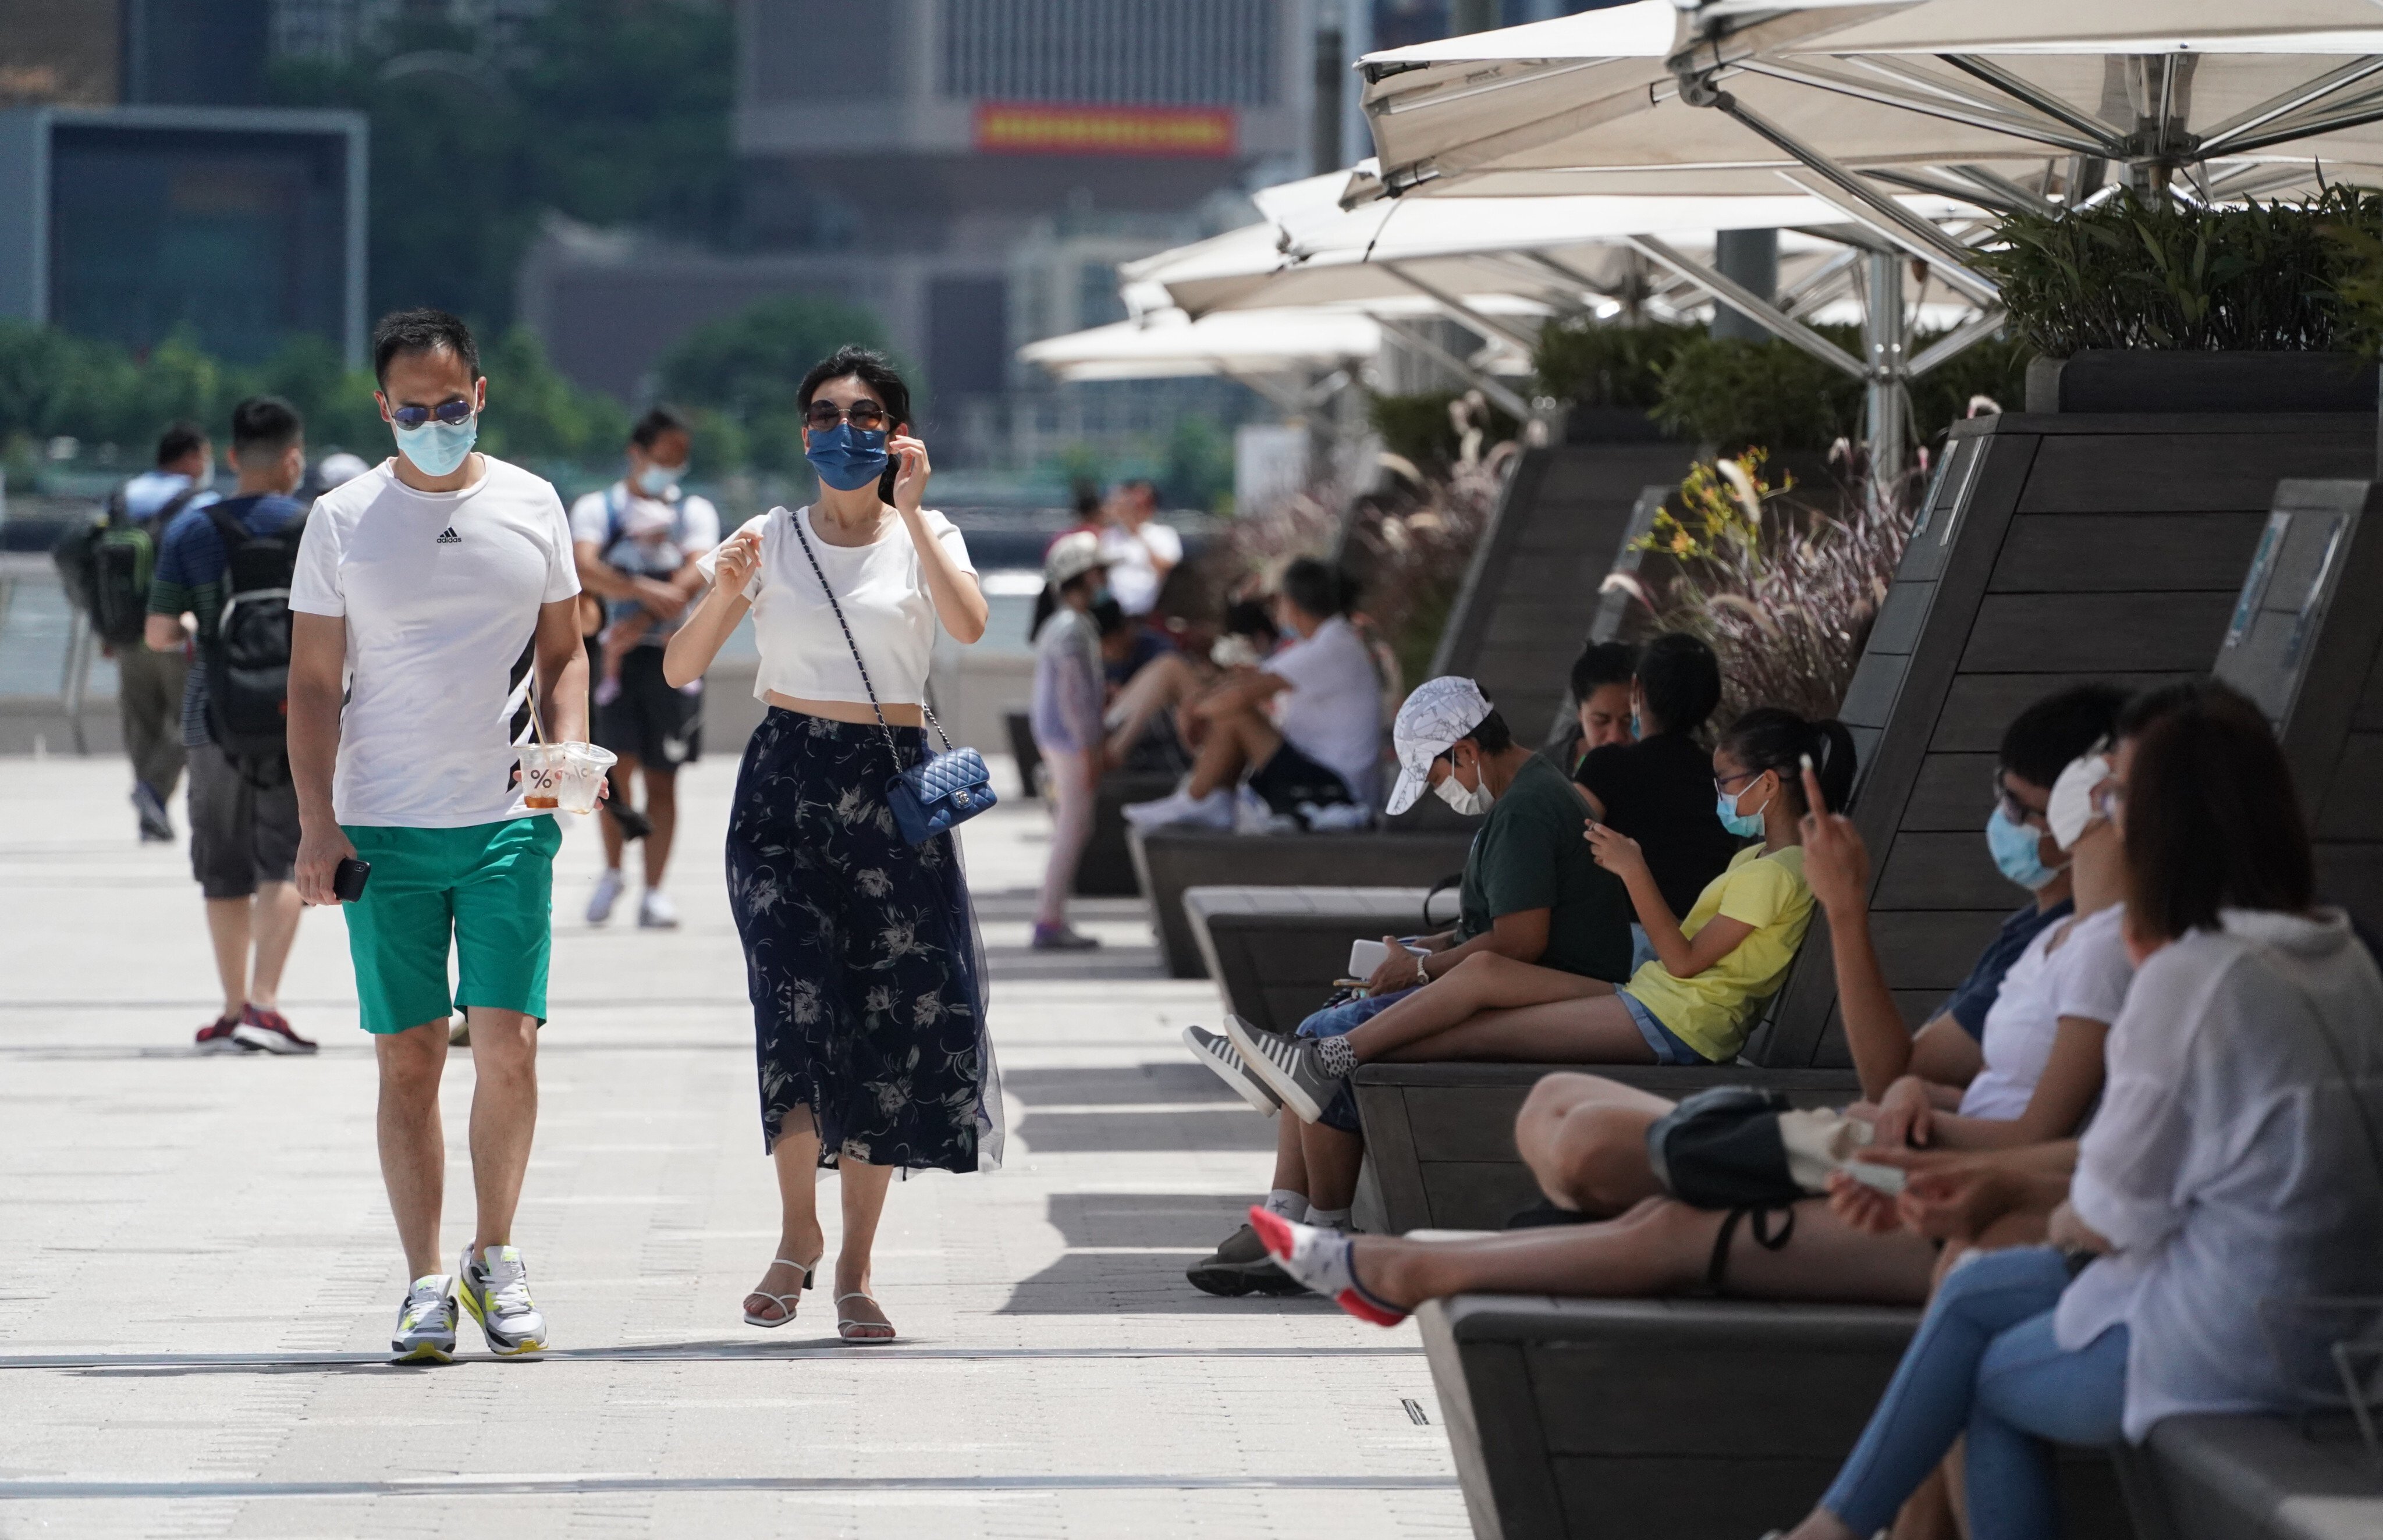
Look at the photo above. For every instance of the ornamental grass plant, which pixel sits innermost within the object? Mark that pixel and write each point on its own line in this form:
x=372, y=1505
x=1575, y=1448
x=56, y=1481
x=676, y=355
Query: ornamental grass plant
x=1785, y=590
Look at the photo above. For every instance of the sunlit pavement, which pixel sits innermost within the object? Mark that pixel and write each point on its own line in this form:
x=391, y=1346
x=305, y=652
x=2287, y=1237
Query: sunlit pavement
x=198, y=1275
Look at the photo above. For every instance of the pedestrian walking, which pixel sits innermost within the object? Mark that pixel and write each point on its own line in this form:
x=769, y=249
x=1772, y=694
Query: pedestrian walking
x=221, y=588
x=440, y=584
x=113, y=565
x=636, y=543
x=861, y=951
x=1069, y=694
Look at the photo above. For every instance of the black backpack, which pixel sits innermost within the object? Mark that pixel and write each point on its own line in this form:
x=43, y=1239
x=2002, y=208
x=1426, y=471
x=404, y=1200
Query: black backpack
x=107, y=566
x=247, y=651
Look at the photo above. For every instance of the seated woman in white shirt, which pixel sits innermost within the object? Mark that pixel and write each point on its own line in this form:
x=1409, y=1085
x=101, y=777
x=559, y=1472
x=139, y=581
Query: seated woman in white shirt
x=1304, y=726
x=2233, y=1171
x=860, y=954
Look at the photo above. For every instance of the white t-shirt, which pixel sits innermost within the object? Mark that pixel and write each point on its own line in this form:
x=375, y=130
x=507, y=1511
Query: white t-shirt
x=2084, y=975
x=1332, y=712
x=1133, y=558
x=441, y=592
x=883, y=592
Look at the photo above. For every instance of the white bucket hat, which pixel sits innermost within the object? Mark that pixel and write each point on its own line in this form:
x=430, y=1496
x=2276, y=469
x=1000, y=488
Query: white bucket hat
x=1439, y=712
x=1071, y=556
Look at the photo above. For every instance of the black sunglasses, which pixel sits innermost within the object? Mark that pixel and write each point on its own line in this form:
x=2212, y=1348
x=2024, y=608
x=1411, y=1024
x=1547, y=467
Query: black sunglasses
x=455, y=412
x=2013, y=809
x=868, y=416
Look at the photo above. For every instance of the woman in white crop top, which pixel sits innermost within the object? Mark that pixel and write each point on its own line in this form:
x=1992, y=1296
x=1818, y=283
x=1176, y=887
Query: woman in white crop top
x=868, y=986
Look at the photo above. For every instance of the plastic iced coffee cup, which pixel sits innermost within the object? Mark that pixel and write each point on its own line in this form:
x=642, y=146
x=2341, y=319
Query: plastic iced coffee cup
x=583, y=776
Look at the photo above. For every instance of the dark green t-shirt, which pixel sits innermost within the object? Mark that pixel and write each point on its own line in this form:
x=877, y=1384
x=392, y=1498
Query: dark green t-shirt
x=1532, y=854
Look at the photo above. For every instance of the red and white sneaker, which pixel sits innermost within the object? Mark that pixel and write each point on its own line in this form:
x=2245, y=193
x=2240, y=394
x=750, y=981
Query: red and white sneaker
x=220, y=1037
x=270, y=1032
x=1325, y=1261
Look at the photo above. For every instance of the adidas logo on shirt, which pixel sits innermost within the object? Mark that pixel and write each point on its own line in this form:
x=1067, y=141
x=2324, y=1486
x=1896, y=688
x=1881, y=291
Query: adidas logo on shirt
x=449, y=536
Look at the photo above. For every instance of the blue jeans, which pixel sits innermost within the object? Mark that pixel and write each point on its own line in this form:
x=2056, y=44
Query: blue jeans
x=1984, y=1363
x=1339, y=1020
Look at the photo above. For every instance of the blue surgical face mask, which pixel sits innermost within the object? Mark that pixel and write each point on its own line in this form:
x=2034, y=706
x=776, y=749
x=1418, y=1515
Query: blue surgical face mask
x=2017, y=852
x=655, y=480
x=846, y=457
x=437, y=448
x=1636, y=732
x=1743, y=825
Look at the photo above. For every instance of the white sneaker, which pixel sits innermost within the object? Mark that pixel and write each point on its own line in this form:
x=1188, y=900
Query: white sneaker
x=495, y=1287
x=607, y=893
x=426, y=1323
x=1213, y=811
x=656, y=912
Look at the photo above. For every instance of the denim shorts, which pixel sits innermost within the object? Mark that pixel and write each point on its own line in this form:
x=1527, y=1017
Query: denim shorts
x=1669, y=1047
x=1334, y=1021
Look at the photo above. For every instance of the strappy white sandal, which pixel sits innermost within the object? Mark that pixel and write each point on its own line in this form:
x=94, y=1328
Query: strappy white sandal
x=785, y=1302
x=862, y=1331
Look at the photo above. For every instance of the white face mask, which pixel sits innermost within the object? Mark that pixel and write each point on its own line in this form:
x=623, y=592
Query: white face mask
x=1472, y=802
x=2070, y=808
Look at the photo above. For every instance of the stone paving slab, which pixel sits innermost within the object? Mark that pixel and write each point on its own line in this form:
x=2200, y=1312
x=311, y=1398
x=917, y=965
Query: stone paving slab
x=200, y=1272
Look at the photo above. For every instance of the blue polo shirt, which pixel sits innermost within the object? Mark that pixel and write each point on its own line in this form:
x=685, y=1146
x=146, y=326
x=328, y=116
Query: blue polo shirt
x=1969, y=1003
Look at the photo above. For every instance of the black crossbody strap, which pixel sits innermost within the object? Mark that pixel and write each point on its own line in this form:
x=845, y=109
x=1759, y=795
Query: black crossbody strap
x=825, y=588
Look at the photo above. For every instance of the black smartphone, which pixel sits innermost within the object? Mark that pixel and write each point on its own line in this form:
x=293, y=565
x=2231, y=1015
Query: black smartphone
x=348, y=880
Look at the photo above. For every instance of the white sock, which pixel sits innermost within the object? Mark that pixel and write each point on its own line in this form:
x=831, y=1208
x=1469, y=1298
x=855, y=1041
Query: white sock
x=1328, y=1219
x=1289, y=1204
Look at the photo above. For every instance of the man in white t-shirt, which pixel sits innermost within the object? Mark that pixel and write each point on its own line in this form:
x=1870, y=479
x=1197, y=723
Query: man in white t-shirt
x=653, y=727
x=1139, y=549
x=432, y=593
x=1305, y=724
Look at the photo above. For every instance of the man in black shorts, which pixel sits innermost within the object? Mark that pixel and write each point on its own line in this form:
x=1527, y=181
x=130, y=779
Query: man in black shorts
x=636, y=543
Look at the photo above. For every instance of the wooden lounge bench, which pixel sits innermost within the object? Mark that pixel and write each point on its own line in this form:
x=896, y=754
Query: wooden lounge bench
x=1171, y=861
x=2273, y=1478
x=1687, y=1419
x=1276, y=952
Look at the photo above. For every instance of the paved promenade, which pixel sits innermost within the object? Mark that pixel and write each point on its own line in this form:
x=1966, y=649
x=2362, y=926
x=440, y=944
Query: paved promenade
x=198, y=1274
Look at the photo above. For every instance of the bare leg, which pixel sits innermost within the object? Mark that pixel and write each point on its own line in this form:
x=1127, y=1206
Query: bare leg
x=662, y=812
x=227, y=928
x=1290, y=1156
x=622, y=778
x=864, y=1202
x=1659, y=1246
x=800, y=1240
x=1585, y=1138
x=1241, y=740
x=276, y=921
x=1928, y=1513
x=1485, y=981
x=1333, y=1158
x=412, y=1144
x=1591, y=1029
x=504, y=1116
x=1166, y=681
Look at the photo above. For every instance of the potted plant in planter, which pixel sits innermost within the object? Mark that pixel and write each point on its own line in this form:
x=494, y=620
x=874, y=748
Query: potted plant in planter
x=2163, y=306
x=1608, y=377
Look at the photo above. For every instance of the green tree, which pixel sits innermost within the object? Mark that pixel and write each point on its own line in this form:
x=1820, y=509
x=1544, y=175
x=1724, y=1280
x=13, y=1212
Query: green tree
x=748, y=367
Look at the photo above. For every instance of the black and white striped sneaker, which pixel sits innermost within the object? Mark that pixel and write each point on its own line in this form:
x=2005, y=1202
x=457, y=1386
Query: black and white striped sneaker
x=1215, y=1049
x=1288, y=1066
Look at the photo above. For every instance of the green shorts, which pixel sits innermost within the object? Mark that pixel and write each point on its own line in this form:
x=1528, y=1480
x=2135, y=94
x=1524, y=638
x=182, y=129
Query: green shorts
x=490, y=886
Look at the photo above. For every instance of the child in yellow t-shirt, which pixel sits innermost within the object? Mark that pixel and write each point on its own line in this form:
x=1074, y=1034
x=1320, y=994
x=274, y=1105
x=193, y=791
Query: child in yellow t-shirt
x=1691, y=1004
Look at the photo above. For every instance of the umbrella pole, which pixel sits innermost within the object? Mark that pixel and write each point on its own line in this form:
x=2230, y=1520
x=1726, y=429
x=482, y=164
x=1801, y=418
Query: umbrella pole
x=1885, y=401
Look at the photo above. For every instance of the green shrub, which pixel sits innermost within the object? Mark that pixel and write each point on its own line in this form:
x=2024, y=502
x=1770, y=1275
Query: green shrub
x=2131, y=274
x=1732, y=393
x=1583, y=361
x=1419, y=427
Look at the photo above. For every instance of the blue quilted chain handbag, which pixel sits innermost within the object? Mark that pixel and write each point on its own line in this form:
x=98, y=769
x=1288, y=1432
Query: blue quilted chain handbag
x=941, y=790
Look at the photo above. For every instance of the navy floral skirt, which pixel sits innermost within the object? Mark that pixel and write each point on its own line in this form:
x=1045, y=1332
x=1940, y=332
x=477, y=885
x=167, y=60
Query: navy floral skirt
x=861, y=954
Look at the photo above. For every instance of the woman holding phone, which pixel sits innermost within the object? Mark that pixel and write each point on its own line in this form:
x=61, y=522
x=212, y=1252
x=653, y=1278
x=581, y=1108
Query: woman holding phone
x=860, y=950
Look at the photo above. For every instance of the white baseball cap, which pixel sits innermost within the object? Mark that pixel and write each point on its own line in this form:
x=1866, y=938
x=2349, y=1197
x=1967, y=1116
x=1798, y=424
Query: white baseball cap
x=1439, y=712
x=1071, y=556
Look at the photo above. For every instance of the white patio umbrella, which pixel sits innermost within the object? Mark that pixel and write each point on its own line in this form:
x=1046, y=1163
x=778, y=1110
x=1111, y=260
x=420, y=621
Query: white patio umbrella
x=1169, y=344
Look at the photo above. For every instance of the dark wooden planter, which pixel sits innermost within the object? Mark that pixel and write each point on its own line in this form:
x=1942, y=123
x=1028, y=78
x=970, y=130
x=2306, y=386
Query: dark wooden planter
x=2303, y=641
x=1530, y=594
x=2054, y=550
x=1687, y=1419
x=2139, y=380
